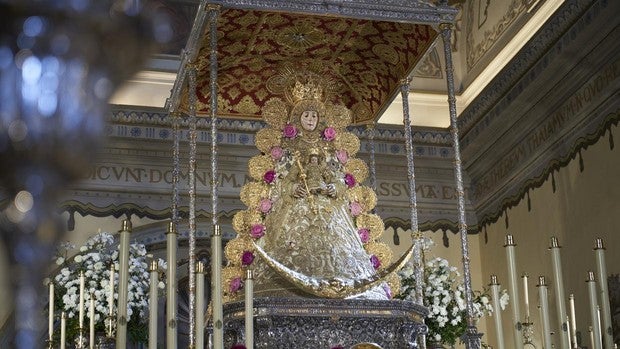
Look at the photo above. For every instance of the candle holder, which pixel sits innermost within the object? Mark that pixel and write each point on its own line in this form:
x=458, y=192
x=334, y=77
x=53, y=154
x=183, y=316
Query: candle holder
x=110, y=321
x=81, y=340
x=528, y=333
x=50, y=344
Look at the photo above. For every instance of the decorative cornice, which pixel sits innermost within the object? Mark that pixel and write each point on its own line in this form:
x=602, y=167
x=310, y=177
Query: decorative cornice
x=148, y=119
x=492, y=215
x=416, y=11
x=531, y=59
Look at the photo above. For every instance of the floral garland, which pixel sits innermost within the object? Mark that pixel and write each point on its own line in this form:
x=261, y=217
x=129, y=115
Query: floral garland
x=95, y=258
x=444, y=296
x=272, y=165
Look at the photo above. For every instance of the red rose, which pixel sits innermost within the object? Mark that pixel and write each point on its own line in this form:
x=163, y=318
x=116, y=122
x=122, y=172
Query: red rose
x=269, y=176
x=349, y=180
x=247, y=258
x=376, y=263
x=364, y=235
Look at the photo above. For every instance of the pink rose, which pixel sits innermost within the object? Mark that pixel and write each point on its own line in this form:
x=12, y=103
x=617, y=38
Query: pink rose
x=349, y=180
x=329, y=134
x=247, y=258
x=364, y=234
x=290, y=131
x=269, y=176
x=355, y=208
x=376, y=263
x=342, y=156
x=235, y=285
x=276, y=153
x=257, y=231
x=265, y=205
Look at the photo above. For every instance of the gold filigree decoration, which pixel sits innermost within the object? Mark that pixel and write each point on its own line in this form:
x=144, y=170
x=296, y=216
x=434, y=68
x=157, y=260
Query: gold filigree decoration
x=252, y=192
x=393, y=280
x=358, y=168
x=300, y=36
x=347, y=141
x=268, y=138
x=275, y=113
x=382, y=251
x=260, y=164
x=234, y=250
x=338, y=116
x=363, y=195
x=373, y=222
x=239, y=223
x=229, y=273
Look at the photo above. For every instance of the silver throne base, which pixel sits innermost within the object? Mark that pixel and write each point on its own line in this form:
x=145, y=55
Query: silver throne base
x=326, y=323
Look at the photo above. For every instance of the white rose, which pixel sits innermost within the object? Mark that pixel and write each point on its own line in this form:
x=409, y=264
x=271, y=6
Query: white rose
x=60, y=260
x=78, y=259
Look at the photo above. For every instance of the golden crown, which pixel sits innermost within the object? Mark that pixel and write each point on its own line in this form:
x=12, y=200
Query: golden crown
x=311, y=90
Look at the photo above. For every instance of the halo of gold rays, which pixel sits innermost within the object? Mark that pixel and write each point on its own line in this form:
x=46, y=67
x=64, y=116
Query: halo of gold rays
x=358, y=168
x=267, y=138
x=347, y=141
x=382, y=251
x=234, y=250
x=252, y=192
x=364, y=195
x=260, y=164
x=373, y=223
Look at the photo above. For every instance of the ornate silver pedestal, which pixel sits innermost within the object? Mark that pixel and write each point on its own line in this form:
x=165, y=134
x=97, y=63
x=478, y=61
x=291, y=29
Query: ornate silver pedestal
x=326, y=323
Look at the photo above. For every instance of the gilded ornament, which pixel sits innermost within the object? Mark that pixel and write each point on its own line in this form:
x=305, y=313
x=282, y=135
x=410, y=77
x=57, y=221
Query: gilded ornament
x=239, y=223
x=373, y=222
x=247, y=106
x=393, y=281
x=364, y=196
x=252, y=192
x=338, y=116
x=235, y=248
x=268, y=138
x=358, y=168
x=347, y=141
x=382, y=251
x=275, y=113
x=260, y=164
x=229, y=274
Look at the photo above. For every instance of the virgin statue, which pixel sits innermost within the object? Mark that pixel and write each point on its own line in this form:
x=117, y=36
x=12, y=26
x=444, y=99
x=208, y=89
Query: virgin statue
x=308, y=230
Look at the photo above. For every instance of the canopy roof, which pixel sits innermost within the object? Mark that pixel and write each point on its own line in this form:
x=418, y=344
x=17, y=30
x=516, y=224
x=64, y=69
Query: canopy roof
x=365, y=52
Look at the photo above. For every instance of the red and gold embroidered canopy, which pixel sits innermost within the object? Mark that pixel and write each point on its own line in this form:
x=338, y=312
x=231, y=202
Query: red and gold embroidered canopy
x=366, y=58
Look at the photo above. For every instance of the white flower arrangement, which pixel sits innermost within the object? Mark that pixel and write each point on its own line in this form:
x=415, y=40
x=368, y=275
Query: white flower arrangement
x=444, y=296
x=95, y=259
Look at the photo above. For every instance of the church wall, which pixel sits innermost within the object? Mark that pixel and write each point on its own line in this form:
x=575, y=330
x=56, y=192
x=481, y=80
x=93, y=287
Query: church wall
x=583, y=207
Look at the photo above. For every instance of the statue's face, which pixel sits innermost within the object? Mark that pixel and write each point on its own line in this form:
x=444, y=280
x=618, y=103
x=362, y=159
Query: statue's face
x=309, y=119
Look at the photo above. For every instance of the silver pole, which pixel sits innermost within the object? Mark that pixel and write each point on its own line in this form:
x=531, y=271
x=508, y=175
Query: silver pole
x=370, y=128
x=415, y=234
x=123, y=285
x=192, y=205
x=216, y=241
x=471, y=336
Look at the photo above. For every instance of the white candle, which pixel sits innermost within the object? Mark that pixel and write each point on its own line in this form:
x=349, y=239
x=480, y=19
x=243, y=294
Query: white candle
x=559, y=291
x=513, y=289
x=200, y=304
x=91, y=313
x=593, y=311
x=111, y=300
x=544, y=309
x=497, y=316
x=568, y=332
x=591, y=337
x=216, y=287
x=171, y=287
x=63, y=330
x=598, y=318
x=81, y=300
x=526, y=298
x=50, y=327
x=123, y=284
x=249, y=310
x=601, y=272
x=573, y=320
x=154, y=270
